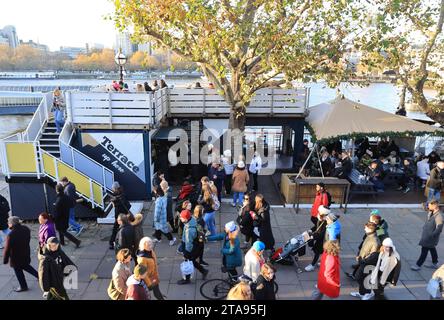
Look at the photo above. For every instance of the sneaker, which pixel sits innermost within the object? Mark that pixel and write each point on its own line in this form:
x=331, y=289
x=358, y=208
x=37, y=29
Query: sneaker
x=233, y=205
x=415, y=268
x=400, y=188
x=310, y=268
x=156, y=240
x=356, y=295
x=172, y=242
x=1, y=246
x=183, y=281
x=204, y=274
x=203, y=263
x=432, y=266
x=407, y=190
x=368, y=296
x=318, y=264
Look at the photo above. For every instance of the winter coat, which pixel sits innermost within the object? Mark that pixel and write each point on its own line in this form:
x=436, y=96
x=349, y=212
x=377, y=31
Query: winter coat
x=137, y=289
x=61, y=211
x=46, y=231
x=138, y=228
x=169, y=208
x=232, y=254
x=17, y=251
x=321, y=199
x=327, y=166
x=149, y=260
x=263, y=223
x=409, y=170
x=329, y=275
x=126, y=238
x=189, y=234
x=51, y=271
x=121, y=204
x=264, y=289
x=391, y=271
x=319, y=236
x=220, y=177
x=369, y=247
x=432, y=230
x=333, y=231
x=252, y=266
x=70, y=191
x=436, y=179
x=4, y=213
x=228, y=167
x=245, y=221
x=239, y=180
x=120, y=275
x=160, y=214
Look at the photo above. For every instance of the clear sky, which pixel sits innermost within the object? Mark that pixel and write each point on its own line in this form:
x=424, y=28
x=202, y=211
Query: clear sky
x=60, y=22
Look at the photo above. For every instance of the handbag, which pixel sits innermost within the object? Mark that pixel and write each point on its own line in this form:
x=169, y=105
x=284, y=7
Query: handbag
x=187, y=268
x=434, y=288
x=112, y=291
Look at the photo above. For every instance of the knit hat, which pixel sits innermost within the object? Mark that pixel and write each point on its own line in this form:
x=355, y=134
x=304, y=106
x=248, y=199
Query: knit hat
x=323, y=211
x=230, y=226
x=375, y=212
x=227, y=153
x=259, y=246
x=185, y=214
x=241, y=164
x=140, y=270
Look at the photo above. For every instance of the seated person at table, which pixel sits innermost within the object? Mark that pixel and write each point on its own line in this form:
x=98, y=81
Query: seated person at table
x=365, y=160
x=408, y=174
x=393, y=159
x=344, y=166
x=382, y=146
x=374, y=175
x=327, y=165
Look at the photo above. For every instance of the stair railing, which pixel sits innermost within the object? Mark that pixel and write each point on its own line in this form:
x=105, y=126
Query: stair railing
x=39, y=119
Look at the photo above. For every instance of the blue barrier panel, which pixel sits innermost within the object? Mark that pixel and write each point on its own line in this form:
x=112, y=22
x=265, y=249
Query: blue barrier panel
x=88, y=167
x=66, y=154
x=108, y=179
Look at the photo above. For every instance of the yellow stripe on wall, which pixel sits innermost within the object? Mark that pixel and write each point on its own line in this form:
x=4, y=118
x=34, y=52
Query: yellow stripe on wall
x=48, y=165
x=21, y=157
x=97, y=190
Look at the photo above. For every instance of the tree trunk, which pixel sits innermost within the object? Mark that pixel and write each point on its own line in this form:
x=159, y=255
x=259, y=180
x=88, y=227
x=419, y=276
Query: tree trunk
x=402, y=98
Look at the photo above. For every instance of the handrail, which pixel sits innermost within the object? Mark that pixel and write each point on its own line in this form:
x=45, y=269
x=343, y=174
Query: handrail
x=39, y=119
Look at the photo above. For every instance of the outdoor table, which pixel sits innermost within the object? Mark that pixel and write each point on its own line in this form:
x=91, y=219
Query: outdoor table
x=392, y=175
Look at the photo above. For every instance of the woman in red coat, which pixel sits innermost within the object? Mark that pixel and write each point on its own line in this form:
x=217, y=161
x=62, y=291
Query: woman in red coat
x=321, y=199
x=328, y=277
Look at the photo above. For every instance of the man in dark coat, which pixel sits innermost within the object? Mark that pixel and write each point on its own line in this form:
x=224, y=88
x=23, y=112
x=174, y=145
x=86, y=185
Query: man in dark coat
x=4, y=215
x=52, y=269
x=217, y=175
x=126, y=237
x=18, y=253
x=70, y=191
x=436, y=182
x=121, y=205
x=61, y=216
x=430, y=236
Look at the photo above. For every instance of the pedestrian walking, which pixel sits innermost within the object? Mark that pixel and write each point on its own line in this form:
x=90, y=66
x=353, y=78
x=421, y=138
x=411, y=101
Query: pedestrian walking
x=255, y=168
x=245, y=221
x=333, y=230
x=137, y=288
x=121, y=272
x=53, y=263
x=138, y=227
x=168, y=191
x=46, y=228
x=147, y=257
x=329, y=283
x=317, y=236
x=70, y=191
x=208, y=205
x=126, y=238
x=198, y=215
x=62, y=206
x=261, y=221
x=160, y=217
x=321, y=199
x=254, y=260
x=191, y=237
x=430, y=236
x=216, y=173
x=264, y=287
x=17, y=252
x=240, y=180
x=435, y=183
x=229, y=169
x=4, y=215
x=120, y=205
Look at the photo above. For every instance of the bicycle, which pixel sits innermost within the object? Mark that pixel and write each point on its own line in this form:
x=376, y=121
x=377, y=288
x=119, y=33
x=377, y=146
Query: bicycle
x=218, y=288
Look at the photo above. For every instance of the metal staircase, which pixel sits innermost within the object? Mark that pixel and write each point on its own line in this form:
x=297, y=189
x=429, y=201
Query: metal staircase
x=49, y=139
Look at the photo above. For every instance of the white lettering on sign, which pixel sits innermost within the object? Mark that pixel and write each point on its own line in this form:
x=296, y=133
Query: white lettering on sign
x=107, y=144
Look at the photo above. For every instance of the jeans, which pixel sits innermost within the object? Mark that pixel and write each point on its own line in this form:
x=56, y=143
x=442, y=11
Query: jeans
x=5, y=232
x=59, y=125
x=238, y=197
x=433, y=195
x=158, y=235
x=423, y=256
x=21, y=276
x=210, y=222
x=72, y=220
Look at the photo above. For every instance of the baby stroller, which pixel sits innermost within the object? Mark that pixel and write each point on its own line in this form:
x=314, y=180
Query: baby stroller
x=289, y=254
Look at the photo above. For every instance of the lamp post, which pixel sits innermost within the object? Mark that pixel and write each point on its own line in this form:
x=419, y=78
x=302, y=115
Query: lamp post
x=120, y=60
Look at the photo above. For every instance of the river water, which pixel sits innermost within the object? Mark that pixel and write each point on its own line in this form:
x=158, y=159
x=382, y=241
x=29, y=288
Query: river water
x=384, y=96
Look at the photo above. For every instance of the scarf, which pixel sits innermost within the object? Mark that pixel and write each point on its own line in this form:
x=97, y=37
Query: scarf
x=385, y=264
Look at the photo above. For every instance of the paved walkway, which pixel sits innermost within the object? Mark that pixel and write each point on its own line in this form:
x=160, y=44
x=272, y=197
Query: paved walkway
x=95, y=261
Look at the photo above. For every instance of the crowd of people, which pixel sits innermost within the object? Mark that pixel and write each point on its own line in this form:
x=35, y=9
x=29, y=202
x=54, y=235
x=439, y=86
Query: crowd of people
x=121, y=86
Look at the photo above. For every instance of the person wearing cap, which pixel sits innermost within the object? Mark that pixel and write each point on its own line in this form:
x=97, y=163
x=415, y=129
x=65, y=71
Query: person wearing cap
x=239, y=183
x=53, y=263
x=388, y=269
x=137, y=288
x=333, y=229
x=231, y=252
x=120, y=205
x=254, y=260
x=255, y=168
x=321, y=199
x=229, y=169
x=317, y=235
x=17, y=252
x=191, y=247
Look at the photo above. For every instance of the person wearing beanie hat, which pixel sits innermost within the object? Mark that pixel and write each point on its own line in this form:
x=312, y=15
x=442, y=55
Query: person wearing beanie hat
x=231, y=251
x=317, y=234
x=333, y=229
x=52, y=263
x=321, y=199
x=254, y=260
x=191, y=240
x=137, y=288
x=388, y=269
x=239, y=183
x=374, y=212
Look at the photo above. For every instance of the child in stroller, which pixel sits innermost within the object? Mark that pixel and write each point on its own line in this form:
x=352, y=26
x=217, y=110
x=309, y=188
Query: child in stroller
x=294, y=248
